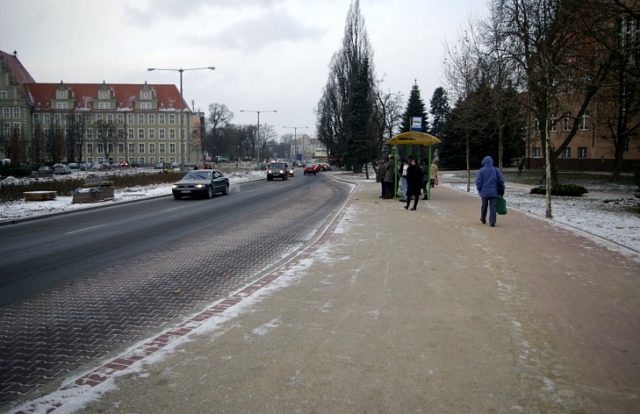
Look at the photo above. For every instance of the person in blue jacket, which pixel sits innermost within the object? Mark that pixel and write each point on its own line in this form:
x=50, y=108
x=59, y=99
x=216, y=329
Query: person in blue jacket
x=487, y=183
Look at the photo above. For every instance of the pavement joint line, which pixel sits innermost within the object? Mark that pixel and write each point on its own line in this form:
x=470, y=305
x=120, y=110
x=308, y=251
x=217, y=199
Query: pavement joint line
x=124, y=361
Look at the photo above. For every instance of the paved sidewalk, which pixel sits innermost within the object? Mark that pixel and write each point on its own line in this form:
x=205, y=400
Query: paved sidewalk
x=396, y=311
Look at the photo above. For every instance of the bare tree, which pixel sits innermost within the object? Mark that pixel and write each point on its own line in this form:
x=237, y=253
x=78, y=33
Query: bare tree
x=107, y=136
x=219, y=117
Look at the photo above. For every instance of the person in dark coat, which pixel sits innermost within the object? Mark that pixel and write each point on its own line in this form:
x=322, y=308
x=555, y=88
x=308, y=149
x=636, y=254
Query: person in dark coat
x=487, y=185
x=389, y=177
x=414, y=183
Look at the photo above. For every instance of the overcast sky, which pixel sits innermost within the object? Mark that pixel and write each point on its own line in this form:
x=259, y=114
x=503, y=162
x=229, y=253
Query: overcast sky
x=268, y=54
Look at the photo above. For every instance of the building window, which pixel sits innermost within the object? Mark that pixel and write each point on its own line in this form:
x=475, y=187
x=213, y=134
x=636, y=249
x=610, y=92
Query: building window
x=132, y=148
x=140, y=119
x=152, y=160
x=162, y=149
x=89, y=134
x=120, y=133
x=172, y=119
x=99, y=117
x=6, y=112
x=152, y=119
x=161, y=119
x=566, y=153
x=56, y=119
x=16, y=113
x=121, y=119
x=537, y=152
x=110, y=118
x=3, y=95
x=140, y=133
x=6, y=128
x=141, y=148
x=584, y=122
x=36, y=118
x=172, y=148
x=161, y=133
x=172, y=134
x=130, y=119
x=152, y=148
x=566, y=122
x=582, y=152
x=120, y=148
x=552, y=124
x=152, y=133
x=62, y=105
x=17, y=127
x=104, y=105
x=130, y=133
x=89, y=148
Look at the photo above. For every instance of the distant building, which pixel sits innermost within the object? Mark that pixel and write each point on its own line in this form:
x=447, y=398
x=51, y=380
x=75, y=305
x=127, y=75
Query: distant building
x=65, y=122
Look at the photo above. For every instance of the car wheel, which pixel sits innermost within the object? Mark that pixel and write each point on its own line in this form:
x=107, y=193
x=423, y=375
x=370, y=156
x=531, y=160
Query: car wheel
x=177, y=196
x=209, y=192
x=225, y=191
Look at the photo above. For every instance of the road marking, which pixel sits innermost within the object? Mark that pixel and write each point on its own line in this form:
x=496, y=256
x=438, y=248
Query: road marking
x=85, y=229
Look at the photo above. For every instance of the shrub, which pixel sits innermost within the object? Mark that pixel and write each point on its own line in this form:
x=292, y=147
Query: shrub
x=561, y=190
x=66, y=187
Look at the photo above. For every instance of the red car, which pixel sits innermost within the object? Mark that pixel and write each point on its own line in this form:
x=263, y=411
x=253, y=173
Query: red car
x=310, y=169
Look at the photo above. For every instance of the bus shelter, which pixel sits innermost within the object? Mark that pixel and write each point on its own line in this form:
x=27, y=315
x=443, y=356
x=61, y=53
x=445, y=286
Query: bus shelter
x=420, y=139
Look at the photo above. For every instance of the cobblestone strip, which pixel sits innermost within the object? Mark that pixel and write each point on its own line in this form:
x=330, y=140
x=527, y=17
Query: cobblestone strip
x=150, y=347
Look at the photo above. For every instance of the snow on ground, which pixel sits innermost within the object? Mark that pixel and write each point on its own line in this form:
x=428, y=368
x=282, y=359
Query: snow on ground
x=23, y=209
x=613, y=216
x=599, y=214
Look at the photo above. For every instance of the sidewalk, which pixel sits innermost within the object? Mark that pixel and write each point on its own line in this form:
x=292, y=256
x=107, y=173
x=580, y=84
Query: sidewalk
x=395, y=311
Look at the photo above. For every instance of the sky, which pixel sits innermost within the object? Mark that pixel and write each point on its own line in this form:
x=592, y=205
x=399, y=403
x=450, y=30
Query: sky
x=268, y=54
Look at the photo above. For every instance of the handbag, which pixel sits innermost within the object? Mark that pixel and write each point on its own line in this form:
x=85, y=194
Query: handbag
x=501, y=206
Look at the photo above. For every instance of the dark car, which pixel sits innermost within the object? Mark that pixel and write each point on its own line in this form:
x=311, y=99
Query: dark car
x=277, y=170
x=201, y=183
x=310, y=169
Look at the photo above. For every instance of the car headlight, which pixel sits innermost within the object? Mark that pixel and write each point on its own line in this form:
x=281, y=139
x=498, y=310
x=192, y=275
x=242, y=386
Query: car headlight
x=174, y=186
x=200, y=186
x=269, y=172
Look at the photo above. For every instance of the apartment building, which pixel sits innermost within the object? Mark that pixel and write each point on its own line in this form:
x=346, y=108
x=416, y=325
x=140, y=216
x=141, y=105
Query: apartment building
x=96, y=122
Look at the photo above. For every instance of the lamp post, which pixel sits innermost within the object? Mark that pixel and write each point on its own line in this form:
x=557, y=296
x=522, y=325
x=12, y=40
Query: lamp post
x=258, y=138
x=295, y=138
x=181, y=107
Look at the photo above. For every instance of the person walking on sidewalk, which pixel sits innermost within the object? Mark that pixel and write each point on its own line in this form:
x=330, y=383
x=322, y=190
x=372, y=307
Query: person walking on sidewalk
x=414, y=183
x=487, y=185
x=389, y=177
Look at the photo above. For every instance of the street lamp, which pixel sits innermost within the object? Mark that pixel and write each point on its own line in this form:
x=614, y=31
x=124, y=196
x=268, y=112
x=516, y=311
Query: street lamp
x=295, y=139
x=181, y=108
x=258, y=112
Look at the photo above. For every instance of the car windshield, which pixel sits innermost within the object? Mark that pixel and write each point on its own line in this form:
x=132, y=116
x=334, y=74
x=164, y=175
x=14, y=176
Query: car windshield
x=198, y=175
x=276, y=166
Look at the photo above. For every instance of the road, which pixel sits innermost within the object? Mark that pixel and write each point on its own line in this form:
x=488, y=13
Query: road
x=77, y=287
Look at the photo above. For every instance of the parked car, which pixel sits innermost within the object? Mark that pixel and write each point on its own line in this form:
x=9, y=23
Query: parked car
x=158, y=165
x=201, y=183
x=44, y=171
x=61, y=169
x=277, y=170
x=310, y=169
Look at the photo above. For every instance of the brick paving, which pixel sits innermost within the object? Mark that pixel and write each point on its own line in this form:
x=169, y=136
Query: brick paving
x=44, y=339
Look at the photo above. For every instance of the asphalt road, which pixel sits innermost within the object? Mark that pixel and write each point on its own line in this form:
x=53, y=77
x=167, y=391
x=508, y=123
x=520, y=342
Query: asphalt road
x=75, y=287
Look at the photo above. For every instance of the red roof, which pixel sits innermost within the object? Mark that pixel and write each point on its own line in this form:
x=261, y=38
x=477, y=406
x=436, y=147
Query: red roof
x=20, y=74
x=168, y=96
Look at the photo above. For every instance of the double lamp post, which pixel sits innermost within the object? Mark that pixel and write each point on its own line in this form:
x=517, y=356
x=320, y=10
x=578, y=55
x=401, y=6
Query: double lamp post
x=182, y=109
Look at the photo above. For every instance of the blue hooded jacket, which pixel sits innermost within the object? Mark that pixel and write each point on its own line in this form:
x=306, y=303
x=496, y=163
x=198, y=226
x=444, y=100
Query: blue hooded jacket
x=488, y=178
